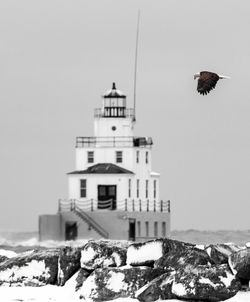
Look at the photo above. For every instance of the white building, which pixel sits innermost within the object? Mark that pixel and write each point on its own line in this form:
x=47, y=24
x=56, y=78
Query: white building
x=112, y=182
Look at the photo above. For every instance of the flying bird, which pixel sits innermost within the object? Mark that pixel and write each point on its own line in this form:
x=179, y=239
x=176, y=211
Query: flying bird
x=207, y=81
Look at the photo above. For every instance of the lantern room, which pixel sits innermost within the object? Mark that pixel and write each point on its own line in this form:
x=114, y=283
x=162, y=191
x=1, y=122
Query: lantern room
x=114, y=103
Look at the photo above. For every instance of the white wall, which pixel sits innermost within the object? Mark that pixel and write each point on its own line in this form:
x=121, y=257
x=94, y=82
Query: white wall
x=122, y=187
x=108, y=155
x=103, y=127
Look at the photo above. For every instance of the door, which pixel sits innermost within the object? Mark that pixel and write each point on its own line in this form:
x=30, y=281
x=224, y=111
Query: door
x=107, y=197
x=70, y=230
x=131, y=230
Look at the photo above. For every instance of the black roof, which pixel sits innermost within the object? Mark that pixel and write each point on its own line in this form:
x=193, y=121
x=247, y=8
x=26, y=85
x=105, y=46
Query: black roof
x=103, y=168
x=114, y=93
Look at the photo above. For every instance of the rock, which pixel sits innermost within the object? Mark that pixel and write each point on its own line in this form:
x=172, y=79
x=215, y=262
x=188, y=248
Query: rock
x=68, y=263
x=175, y=260
x=147, y=253
x=111, y=283
x=239, y=263
x=159, y=288
x=3, y=258
x=96, y=254
x=81, y=277
x=30, y=269
x=210, y=284
x=220, y=252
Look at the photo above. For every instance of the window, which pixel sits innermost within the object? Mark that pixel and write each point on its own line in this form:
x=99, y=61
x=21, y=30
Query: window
x=156, y=229
x=146, y=157
x=146, y=193
x=119, y=156
x=90, y=156
x=137, y=156
x=138, y=228
x=137, y=188
x=163, y=229
x=147, y=228
x=154, y=188
x=83, y=188
x=129, y=188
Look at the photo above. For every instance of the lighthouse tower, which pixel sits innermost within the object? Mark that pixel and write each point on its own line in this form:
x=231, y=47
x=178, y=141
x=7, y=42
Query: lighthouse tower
x=113, y=192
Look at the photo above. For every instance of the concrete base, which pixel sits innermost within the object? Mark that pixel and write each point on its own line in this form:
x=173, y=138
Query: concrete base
x=120, y=225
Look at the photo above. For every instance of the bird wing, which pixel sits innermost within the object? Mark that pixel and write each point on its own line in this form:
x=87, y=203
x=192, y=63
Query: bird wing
x=207, y=81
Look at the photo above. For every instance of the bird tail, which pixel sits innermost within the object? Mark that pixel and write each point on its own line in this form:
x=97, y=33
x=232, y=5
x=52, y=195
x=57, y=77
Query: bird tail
x=223, y=77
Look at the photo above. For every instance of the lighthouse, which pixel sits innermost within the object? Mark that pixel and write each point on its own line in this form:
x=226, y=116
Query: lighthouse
x=112, y=192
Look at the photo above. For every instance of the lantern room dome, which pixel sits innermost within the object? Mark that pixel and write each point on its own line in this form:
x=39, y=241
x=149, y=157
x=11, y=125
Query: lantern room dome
x=114, y=93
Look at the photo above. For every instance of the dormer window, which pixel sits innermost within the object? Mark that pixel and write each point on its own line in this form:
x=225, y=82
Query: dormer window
x=90, y=156
x=119, y=156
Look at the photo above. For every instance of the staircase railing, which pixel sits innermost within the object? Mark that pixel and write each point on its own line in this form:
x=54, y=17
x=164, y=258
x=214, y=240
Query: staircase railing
x=99, y=229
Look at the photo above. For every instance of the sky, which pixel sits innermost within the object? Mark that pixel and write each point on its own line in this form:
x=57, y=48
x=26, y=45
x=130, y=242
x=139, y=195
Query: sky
x=58, y=57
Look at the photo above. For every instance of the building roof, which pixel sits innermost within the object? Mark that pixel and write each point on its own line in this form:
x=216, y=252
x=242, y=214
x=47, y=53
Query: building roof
x=103, y=168
x=114, y=93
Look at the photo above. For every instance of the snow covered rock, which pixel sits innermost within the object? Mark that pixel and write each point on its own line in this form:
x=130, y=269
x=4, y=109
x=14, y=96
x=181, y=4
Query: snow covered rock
x=96, y=254
x=30, y=269
x=203, y=283
x=240, y=263
x=177, y=259
x=68, y=263
x=220, y=252
x=215, y=283
x=147, y=253
x=111, y=283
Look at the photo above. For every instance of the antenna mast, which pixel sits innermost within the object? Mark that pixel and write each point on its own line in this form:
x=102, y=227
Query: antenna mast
x=136, y=53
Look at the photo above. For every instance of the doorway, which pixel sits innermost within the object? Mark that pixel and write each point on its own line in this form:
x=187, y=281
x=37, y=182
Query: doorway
x=106, y=197
x=71, y=230
x=131, y=230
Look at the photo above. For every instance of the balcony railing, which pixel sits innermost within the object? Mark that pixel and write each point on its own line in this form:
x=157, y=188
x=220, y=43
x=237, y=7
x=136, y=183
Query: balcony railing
x=126, y=205
x=113, y=141
x=114, y=112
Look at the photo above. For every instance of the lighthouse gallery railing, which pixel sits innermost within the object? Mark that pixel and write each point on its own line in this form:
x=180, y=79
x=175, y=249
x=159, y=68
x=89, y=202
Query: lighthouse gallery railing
x=113, y=141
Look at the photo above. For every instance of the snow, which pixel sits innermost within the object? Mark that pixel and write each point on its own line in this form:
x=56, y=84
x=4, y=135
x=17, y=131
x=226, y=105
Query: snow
x=89, y=287
x=209, y=251
x=200, y=246
x=87, y=255
x=117, y=259
x=247, y=244
x=231, y=266
x=6, y=253
x=179, y=289
x=147, y=252
x=206, y=281
x=227, y=280
x=116, y=282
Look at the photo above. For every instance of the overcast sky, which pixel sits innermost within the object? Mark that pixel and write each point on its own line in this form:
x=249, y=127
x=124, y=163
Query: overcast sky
x=58, y=57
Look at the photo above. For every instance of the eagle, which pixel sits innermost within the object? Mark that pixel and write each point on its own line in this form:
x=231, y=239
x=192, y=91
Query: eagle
x=207, y=81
